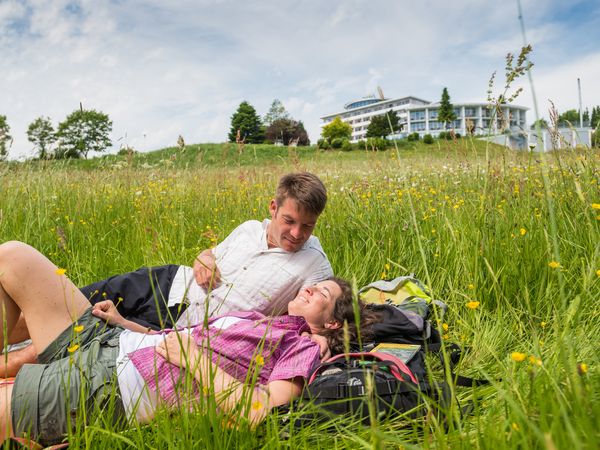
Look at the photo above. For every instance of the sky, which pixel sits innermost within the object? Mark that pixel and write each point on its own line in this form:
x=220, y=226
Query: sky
x=164, y=68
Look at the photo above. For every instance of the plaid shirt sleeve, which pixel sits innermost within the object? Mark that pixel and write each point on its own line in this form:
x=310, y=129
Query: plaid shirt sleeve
x=298, y=359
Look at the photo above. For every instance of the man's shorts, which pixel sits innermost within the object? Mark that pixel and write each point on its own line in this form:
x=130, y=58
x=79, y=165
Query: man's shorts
x=75, y=375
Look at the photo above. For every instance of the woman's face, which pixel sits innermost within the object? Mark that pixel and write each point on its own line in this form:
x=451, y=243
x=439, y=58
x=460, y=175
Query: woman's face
x=316, y=304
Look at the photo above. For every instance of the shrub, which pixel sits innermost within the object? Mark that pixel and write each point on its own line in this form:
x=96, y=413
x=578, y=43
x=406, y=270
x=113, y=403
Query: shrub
x=337, y=142
x=346, y=145
x=377, y=144
x=596, y=138
x=413, y=137
x=428, y=139
x=323, y=144
x=443, y=135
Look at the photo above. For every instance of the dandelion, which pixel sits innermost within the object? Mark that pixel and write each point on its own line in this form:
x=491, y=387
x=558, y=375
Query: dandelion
x=518, y=356
x=582, y=368
x=522, y=231
x=259, y=360
x=473, y=305
x=554, y=264
x=78, y=328
x=60, y=271
x=73, y=348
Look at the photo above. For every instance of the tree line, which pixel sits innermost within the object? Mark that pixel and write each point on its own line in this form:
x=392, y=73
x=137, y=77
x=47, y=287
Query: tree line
x=276, y=127
x=82, y=131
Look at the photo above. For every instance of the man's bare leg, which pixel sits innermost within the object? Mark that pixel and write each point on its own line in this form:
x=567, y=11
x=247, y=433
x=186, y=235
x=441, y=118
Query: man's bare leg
x=29, y=283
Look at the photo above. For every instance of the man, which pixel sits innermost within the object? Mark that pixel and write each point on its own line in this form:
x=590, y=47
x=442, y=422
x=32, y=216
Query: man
x=259, y=266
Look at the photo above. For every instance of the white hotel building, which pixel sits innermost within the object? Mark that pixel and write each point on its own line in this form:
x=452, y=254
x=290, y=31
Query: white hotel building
x=420, y=116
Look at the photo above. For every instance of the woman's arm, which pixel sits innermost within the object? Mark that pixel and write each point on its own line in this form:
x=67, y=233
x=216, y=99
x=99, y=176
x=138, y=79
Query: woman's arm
x=229, y=392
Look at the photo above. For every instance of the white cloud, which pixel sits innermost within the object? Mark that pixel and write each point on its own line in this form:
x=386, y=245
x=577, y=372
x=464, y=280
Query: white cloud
x=162, y=68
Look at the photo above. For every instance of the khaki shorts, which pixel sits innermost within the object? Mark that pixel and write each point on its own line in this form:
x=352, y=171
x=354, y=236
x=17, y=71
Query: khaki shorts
x=49, y=397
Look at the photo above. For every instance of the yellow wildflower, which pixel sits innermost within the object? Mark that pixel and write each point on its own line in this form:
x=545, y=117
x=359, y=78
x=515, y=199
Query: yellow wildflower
x=582, y=368
x=445, y=327
x=73, y=348
x=78, y=328
x=598, y=272
x=595, y=205
x=554, y=264
x=523, y=231
x=471, y=286
x=60, y=271
x=259, y=360
x=534, y=360
x=543, y=324
x=518, y=356
x=473, y=305
x=515, y=426
x=257, y=405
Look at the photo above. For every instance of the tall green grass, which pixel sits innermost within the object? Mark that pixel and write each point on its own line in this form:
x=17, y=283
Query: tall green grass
x=516, y=232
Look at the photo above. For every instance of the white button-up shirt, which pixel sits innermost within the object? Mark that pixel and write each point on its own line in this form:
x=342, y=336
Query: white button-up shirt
x=253, y=276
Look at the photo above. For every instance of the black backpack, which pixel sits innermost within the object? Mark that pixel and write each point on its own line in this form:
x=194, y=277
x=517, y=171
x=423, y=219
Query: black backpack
x=371, y=386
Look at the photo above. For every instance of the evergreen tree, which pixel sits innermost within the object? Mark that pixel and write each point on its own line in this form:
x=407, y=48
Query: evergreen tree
x=276, y=111
x=247, y=123
x=446, y=110
x=383, y=125
x=595, y=120
x=337, y=129
x=83, y=130
x=5, y=137
x=586, y=116
x=41, y=134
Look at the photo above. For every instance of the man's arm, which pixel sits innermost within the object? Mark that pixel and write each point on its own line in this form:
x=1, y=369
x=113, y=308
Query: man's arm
x=206, y=271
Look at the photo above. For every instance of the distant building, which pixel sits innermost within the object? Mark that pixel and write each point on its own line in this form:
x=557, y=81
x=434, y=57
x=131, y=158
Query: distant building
x=421, y=116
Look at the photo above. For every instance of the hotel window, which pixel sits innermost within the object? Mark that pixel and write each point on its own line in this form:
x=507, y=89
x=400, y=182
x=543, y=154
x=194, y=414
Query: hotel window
x=417, y=115
x=433, y=114
x=470, y=112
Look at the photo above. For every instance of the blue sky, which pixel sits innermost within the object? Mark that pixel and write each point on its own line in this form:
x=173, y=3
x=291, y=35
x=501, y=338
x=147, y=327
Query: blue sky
x=162, y=68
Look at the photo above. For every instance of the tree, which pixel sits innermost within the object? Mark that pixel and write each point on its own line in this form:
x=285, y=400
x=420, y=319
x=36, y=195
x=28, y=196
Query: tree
x=543, y=123
x=247, y=123
x=384, y=125
x=287, y=130
x=571, y=116
x=83, y=130
x=446, y=110
x=41, y=134
x=595, y=120
x=4, y=137
x=337, y=129
x=276, y=111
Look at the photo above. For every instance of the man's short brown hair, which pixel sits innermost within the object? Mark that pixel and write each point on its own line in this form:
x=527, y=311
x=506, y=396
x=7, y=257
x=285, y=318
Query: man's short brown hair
x=305, y=188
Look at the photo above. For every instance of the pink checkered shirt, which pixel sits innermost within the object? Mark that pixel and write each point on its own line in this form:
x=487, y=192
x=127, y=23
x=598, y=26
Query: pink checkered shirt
x=271, y=348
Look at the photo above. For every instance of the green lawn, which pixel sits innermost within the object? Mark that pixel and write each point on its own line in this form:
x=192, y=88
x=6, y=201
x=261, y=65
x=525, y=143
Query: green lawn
x=517, y=232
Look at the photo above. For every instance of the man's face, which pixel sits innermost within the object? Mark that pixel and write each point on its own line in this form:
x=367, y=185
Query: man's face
x=290, y=226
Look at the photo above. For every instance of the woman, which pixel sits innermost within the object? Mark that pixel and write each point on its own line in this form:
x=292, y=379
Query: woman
x=78, y=353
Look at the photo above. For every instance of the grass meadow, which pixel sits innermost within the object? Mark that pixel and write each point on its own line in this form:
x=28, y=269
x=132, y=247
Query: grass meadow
x=510, y=241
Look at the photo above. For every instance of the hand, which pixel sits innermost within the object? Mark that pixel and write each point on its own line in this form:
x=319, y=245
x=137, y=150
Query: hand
x=206, y=272
x=325, y=353
x=179, y=349
x=107, y=311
